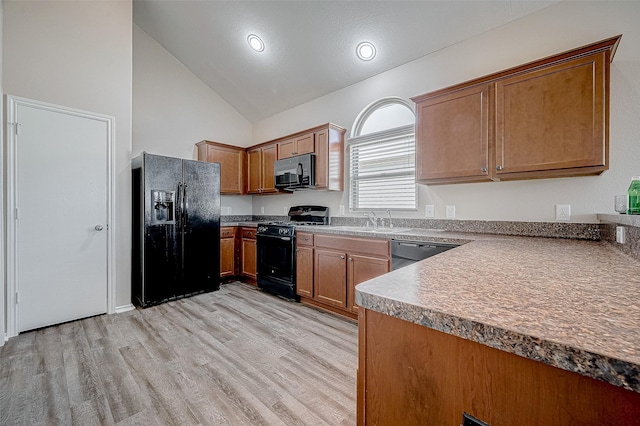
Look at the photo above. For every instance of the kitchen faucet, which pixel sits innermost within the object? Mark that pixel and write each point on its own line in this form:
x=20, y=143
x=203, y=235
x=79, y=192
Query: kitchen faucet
x=372, y=218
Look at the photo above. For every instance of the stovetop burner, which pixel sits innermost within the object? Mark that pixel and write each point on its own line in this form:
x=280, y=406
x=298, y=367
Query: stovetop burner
x=298, y=216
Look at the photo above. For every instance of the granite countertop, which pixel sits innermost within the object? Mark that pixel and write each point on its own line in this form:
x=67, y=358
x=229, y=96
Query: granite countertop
x=568, y=303
x=246, y=224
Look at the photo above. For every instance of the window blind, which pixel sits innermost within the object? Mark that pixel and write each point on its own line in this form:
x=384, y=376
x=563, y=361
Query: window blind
x=382, y=170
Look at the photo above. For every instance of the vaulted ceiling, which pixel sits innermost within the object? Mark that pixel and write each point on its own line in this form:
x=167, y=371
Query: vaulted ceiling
x=309, y=45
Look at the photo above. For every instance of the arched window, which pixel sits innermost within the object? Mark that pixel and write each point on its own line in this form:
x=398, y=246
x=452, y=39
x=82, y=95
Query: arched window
x=382, y=157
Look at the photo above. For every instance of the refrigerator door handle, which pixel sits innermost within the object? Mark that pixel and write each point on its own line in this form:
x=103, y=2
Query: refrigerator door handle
x=180, y=207
x=185, y=206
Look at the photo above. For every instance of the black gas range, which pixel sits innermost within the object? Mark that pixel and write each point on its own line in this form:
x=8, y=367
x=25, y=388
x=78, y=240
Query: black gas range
x=276, y=249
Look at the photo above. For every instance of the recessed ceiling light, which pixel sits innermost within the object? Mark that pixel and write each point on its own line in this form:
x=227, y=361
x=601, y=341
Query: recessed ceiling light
x=255, y=42
x=366, y=51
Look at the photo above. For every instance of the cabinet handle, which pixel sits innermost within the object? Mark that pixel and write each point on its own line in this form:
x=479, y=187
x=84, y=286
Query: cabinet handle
x=341, y=257
x=483, y=170
x=351, y=259
x=498, y=168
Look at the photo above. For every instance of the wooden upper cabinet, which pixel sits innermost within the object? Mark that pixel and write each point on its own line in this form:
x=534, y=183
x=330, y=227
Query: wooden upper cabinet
x=322, y=159
x=553, y=118
x=303, y=144
x=547, y=118
x=330, y=157
x=327, y=143
x=260, y=172
x=453, y=134
x=232, y=165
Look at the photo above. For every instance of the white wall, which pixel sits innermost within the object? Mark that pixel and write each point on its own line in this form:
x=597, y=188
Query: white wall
x=173, y=109
x=3, y=320
x=558, y=28
x=78, y=54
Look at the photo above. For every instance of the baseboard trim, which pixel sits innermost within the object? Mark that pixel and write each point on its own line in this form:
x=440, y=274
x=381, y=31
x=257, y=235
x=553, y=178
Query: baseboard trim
x=124, y=308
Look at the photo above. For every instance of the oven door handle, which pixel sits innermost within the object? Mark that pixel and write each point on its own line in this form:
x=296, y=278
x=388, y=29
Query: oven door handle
x=274, y=237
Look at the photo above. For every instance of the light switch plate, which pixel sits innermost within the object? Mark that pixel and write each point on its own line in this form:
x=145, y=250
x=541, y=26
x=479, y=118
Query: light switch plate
x=341, y=209
x=429, y=210
x=285, y=210
x=451, y=212
x=262, y=210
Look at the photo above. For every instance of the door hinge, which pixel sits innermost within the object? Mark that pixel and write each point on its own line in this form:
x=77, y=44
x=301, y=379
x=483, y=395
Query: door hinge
x=17, y=297
x=17, y=213
x=16, y=127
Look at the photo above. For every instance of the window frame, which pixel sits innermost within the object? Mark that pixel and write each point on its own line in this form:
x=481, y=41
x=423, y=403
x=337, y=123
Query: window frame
x=387, y=134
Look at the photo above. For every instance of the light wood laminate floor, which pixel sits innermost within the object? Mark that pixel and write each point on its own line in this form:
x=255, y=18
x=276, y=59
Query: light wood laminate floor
x=236, y=356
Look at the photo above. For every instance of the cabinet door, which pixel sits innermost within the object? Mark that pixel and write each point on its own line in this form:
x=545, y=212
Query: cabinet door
x=305, y=144
x=286, y=148
x=322, y=159
x=227, y=257
x=361, y=269
x=231, y=169
x=452, y=136
x=552, y=118
x=232, y=164
x=248, y=253
x=268, y=158
x=330, y=277
x=304, y=271
x=254, y=171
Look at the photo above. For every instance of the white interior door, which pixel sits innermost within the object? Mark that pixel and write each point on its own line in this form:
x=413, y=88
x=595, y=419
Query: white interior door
x=61, y=189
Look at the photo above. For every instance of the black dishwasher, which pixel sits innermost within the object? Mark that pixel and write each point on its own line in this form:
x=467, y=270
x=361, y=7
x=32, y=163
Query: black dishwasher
x=404, y=253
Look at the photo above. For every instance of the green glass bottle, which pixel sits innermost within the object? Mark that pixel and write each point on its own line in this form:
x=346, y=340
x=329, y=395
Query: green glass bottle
x=633, y=205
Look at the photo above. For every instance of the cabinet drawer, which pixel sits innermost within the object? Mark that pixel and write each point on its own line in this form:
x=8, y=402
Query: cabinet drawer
x=227, y=232
x=249, y=233
x=304, y=239
x=368, y=246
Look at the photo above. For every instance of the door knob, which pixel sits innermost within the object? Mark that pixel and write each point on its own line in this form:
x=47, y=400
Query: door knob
x=98, y=228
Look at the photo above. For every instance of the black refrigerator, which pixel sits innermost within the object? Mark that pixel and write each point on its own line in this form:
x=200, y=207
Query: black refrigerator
x=176, y=228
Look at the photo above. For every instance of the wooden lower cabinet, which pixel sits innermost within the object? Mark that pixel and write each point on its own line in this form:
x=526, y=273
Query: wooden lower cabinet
x=304, y=264
x=227, y=251
x=330, y=277
x=360, y=269
x=409, y=374
x=339, y=264
x=248, y=254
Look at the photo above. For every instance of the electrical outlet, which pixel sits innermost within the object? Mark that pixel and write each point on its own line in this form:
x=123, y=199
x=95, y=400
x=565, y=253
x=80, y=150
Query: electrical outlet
x=341, y=210
x=563, y=212
x=620, y=231
x=262, y=210
x=451, y=212
x=429, y=210
x=285, y=210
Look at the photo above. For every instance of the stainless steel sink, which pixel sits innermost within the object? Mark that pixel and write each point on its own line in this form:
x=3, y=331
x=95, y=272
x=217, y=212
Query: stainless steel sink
x=372, y=230
x=390, y=230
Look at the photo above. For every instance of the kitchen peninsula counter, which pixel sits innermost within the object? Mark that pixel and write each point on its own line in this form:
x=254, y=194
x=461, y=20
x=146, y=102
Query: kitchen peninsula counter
x=571, y=304
x=480, y=328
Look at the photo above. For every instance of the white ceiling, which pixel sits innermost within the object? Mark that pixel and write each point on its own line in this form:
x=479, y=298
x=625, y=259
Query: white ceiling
x=310, y=45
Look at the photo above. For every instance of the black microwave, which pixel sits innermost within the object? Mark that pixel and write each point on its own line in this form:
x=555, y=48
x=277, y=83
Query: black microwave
x=295, y=172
